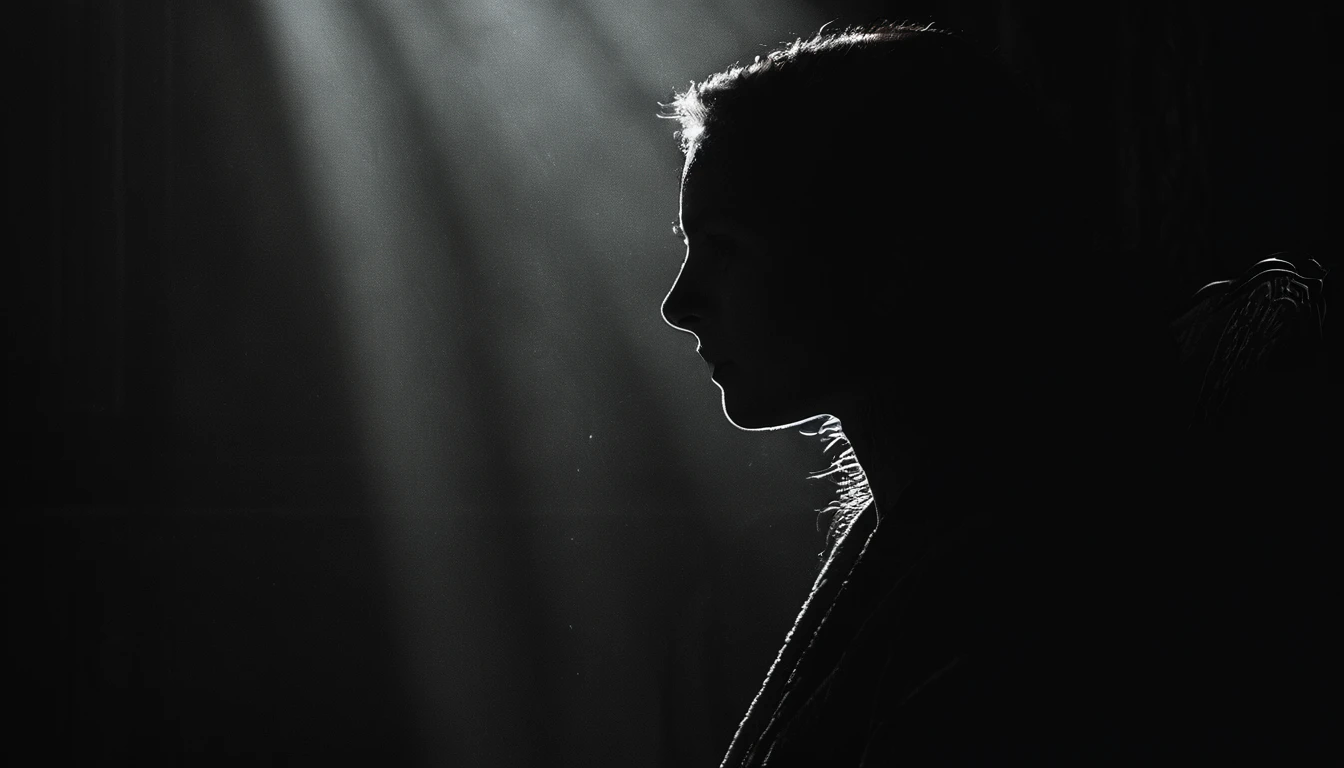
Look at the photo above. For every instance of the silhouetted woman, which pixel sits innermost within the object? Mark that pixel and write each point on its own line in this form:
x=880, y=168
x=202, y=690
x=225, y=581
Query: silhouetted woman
x=881, y=233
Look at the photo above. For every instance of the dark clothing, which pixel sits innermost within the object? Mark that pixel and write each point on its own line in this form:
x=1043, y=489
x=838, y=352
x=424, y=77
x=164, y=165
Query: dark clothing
x=1081, y=603
x=945, y=641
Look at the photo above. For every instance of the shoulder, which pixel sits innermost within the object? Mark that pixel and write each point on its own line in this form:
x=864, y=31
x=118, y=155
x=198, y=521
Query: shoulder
x=992, y=661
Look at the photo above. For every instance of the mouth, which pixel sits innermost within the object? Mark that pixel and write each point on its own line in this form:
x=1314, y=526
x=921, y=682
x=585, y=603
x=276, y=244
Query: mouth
x=719, y=368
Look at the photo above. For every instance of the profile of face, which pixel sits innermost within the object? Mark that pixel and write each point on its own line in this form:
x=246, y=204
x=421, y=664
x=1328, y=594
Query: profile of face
x=762, y=310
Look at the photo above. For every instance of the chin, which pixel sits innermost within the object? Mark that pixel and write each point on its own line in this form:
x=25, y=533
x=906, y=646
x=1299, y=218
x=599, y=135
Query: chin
x=758, y=414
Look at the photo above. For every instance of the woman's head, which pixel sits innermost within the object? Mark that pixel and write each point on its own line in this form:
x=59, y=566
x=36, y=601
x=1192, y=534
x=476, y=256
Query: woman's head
x=879, y=205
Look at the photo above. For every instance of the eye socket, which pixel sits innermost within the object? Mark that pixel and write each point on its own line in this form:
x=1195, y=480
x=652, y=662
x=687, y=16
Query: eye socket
x=721, y=243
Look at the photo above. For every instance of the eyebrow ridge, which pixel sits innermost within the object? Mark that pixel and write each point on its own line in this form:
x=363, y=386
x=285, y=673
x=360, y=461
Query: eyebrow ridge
x=694, y=222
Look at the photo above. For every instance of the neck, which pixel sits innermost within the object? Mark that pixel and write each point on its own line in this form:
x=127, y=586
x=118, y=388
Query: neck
x=897, y=446
x=889, y=454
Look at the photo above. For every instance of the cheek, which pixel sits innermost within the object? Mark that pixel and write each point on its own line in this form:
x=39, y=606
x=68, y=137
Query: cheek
x=785, y=315
x=788, y=340
x=801, y=305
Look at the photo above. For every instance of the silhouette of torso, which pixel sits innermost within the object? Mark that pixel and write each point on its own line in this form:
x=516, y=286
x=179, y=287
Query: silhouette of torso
x=1136, y=597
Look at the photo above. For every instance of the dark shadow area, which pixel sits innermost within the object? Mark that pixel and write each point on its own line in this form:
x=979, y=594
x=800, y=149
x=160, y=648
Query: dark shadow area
x=233, y=636
x=192, y=568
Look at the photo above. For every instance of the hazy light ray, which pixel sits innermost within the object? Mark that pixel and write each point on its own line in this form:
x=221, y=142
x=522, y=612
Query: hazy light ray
x=521, y=174
x=518, y=689
x=660, y=41
x=362, y=204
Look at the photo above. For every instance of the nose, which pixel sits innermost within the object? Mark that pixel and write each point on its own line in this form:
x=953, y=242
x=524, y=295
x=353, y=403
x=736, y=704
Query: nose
x=684, y=306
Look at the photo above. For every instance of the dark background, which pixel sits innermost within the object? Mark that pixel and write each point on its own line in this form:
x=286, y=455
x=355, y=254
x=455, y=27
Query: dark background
x=343, y=426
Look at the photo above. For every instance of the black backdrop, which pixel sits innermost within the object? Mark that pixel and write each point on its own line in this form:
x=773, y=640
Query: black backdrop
x=196, y=563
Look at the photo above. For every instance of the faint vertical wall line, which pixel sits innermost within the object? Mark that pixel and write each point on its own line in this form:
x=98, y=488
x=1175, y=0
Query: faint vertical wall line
x=55, y=182
x=118, y=366
x=1128, y=217
x=168, y=133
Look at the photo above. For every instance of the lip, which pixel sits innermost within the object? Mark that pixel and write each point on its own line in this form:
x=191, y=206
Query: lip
x=719, y=367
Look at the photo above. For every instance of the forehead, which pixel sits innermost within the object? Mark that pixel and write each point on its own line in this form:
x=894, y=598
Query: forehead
x=711, y=187
x=703, y=188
